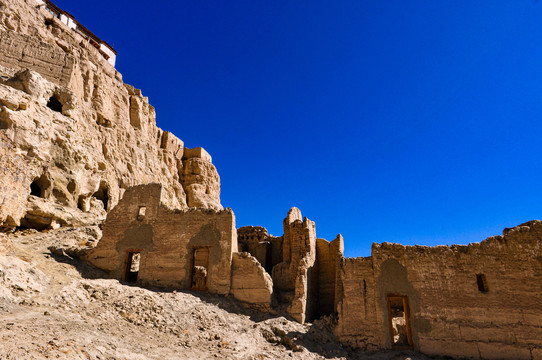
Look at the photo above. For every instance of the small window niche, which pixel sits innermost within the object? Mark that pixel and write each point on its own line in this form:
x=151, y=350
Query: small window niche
x=481, y=280
x=141, y=212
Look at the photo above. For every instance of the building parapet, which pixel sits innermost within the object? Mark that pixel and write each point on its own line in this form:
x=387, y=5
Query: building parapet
x=106, y=50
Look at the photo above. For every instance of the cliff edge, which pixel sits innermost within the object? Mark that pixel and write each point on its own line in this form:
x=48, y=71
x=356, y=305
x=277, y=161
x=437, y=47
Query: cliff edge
x=73, y=135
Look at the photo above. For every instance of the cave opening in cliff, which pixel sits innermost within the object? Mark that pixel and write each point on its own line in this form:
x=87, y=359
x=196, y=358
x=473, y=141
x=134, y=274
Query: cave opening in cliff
x=132, y=266
x=39, y=186
x=35, y=189
x=398, y=318
x=103, y=194
x=54, y=104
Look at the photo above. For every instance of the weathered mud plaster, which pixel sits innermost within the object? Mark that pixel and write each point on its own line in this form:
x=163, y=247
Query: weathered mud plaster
x=480, y=300
x=169, y=243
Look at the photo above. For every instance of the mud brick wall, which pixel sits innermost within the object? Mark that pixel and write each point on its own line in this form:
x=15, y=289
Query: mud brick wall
x=299, y=240
x=254, y=239
x=166, y=240
x=328, y=255
x=24, y=52
x=356, y=297
x=300, y=237
x=276, y=249
x=250, y=282
x=450, y=313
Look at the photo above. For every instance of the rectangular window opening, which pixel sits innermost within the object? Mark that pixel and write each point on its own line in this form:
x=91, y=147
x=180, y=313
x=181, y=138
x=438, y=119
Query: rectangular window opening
x=481, y=280
x=141, y=212
x=132, y=267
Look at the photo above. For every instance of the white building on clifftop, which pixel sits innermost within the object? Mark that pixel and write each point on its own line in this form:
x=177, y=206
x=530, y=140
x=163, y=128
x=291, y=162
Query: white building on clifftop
x=68, y=19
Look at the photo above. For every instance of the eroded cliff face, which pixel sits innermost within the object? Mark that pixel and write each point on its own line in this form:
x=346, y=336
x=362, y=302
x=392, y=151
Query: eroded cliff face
x=73, y=136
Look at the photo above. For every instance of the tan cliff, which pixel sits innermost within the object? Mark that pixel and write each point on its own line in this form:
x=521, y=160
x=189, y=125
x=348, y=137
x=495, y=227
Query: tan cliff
x=74, y=136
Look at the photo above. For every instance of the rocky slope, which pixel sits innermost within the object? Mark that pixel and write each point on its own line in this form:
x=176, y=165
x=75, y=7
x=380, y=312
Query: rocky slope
x=53, y=306
x=73, y=136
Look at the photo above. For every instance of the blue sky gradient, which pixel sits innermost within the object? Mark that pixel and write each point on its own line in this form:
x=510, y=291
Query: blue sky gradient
x=404, y=121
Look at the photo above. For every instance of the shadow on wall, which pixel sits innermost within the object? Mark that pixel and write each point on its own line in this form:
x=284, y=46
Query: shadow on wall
x=204, y=250
x=140, y=237
x=397, y=300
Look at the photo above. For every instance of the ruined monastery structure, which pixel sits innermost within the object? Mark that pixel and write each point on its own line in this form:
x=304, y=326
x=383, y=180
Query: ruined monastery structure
x=78, y=146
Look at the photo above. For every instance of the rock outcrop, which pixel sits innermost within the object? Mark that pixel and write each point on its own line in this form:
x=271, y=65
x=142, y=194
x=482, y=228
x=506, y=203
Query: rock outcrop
x=73, y=136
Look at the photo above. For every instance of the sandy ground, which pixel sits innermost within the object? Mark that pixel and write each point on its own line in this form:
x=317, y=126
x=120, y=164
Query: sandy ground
x=54, y=306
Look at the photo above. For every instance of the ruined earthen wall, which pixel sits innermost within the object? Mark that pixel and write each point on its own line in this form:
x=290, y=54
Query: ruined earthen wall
x=250, y=282
x=326, y=277
x=305, y=306
x=166, y=240
x=328, y=255
x=254, y=240
x=297, y=275
x=356, y=299
x=276, y=249
x=449, y=315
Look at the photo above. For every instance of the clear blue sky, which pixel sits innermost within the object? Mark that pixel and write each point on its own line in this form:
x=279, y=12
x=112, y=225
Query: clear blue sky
x=416, y=122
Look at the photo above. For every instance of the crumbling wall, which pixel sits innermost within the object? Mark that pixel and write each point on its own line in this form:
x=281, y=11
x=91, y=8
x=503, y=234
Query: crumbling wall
x=254, y=240
x=166, y=240
x=328, y=256
x=295, y=279
x=356, y=301
x=479, y=300
x=250, y=282
x=276, y=249
x=304, y=269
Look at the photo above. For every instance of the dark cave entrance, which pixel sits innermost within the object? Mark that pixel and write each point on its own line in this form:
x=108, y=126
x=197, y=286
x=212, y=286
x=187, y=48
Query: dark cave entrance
x=103, y=194
x=54, y=104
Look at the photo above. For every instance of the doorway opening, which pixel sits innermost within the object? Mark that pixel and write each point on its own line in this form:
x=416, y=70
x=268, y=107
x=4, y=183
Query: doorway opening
x=398, y=315
x=200, y=266
x=132, y=267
